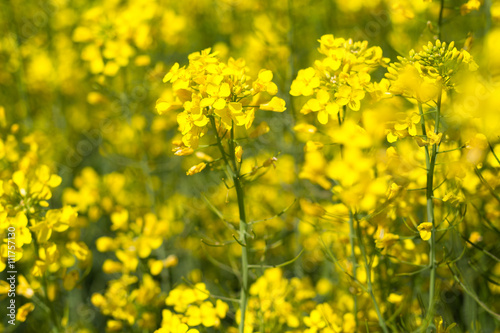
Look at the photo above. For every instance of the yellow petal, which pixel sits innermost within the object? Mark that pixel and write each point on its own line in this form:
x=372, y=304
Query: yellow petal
x=276, y=104
x=219, y=104
x=425, y=230
x=225, y=91
x=265, y=75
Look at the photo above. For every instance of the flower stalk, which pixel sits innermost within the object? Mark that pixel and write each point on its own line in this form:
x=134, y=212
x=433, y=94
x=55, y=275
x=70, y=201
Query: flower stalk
x=430, y=209
x=430, y=160
x=244, y=251
x=232, y=167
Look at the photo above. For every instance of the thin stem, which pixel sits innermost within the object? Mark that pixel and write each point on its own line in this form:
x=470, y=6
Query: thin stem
x=449, y=150
x=243, y=219
x=244, y=250
x=243, y=232
x=493, y=151
x=341, y=121
x=486, y=184
x=219, y=143
x=440, y=19
x=354, y=264
x=430, y=212
x=424, y=132
x=381, y=320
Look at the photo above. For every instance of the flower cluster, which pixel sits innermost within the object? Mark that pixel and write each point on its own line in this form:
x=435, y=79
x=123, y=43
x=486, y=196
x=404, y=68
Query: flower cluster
x=192, y=308
x=423, y=74
x=278, y=301
x=129, y=302
x=340, y=79
x=210, y=89
x=113, y=35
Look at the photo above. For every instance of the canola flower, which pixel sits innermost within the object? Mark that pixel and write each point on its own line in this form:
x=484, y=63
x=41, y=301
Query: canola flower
x=210, y=89
x=340, y=79
x=423, y=75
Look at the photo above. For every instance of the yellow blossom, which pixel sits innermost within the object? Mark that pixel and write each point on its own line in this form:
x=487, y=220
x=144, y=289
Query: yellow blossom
x=276, y=104
x=238, y=152
x=196, y=169
x=23, y=311
x=425, y=230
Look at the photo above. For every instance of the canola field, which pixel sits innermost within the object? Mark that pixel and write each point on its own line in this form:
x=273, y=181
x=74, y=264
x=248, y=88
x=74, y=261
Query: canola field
x=235, y=166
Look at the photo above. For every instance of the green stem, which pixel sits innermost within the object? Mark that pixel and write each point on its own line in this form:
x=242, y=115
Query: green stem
x=244, y=252
x=219, y=142
x=243, y=232
x=440, y=19
x=369, y=280
x=424, y=133
x=353, y=262
x=235, y=171
x=431, y=163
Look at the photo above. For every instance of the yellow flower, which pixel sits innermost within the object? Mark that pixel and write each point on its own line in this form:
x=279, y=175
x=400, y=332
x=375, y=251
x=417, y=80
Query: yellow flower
x=408, y=82
x=395, y=298
x=80, y=251
x=324, y=286
x=171, y=323
x=163, y=106
x=238, y=152
x=182, y=151
x=55, y=220
x=305, y=83
x=156, y=266
x=114, y=325
x=422, y=75
x=204, y=315
x=434, y=139
x=305, y=128
x=210, y=89
x=262, y=129
x=312, y=209
x=475, y=237
x=276, y=104
x=315, y=169
x=469, y=6
x=196, y=169
x=23, y=234
x=323, y=105
x=350, y=96
x=425, y=230
x=119, y=220
x=181, y=297
x=386, y=240
x=24, y=310
x=409, y=124
x=313, y=146
x=340, y=79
